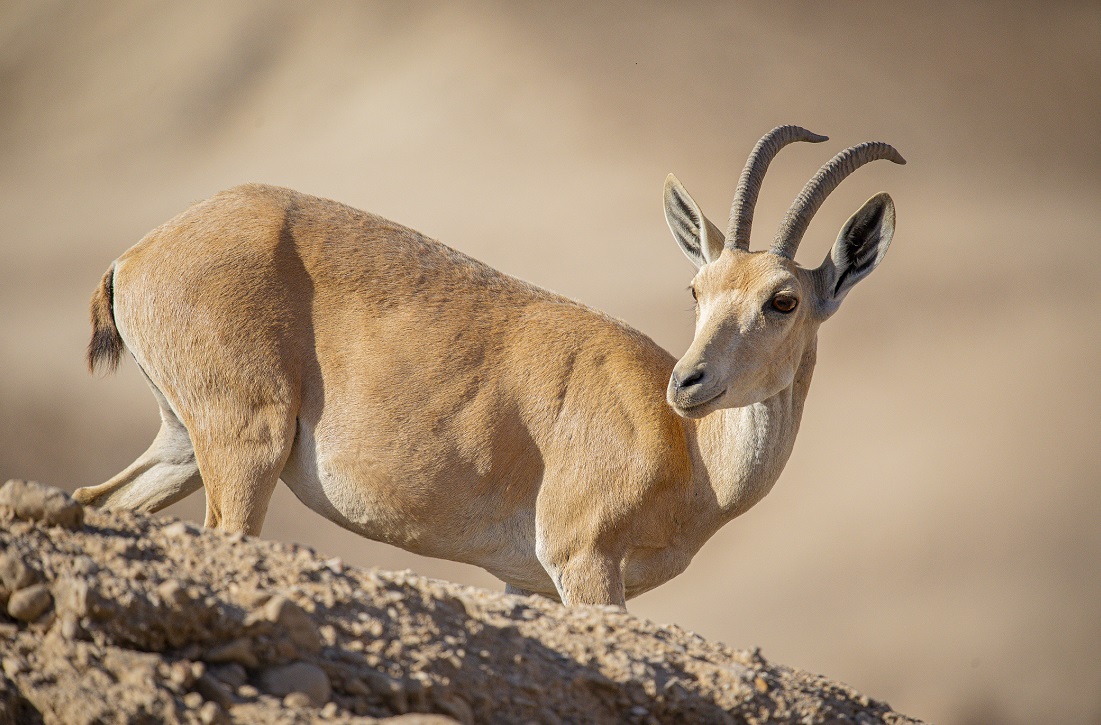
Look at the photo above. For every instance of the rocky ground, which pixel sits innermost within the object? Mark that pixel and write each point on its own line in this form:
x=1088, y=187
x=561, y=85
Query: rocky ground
x=116, y=617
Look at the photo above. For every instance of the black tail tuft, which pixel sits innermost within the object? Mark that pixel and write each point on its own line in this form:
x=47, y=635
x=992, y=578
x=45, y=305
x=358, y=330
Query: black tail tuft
x=106, y=344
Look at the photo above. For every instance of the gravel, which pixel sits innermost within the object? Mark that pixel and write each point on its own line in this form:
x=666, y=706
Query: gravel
x=120, y=617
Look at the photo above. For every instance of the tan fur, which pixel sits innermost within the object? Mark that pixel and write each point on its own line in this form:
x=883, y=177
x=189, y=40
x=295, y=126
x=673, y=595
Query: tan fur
x=417, y=397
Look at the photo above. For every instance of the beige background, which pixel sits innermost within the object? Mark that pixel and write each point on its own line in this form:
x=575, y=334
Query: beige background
x=934, y=540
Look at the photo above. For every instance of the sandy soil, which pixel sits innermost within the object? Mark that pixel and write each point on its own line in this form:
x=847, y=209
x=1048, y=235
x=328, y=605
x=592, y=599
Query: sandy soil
x=918, y=565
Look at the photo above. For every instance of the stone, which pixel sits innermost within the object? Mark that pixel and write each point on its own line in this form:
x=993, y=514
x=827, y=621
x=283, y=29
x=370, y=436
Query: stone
x=252, y=598
x=85, y=566
x=211, y=714
x=28, y=604
x=238, y=650
x=13, y=666
x=180, y=674
x=214, y=691
x=176, y=529
x=231, y=674
x=173, y=593
x=74, y=596
x=248, y=692
x=294, y=622
x=14, y=572
x=303, y=677
x=297, y=700
x=455, y=706
x=389, y=689
x=31, y=501
x=355, y=686
x=70, y=627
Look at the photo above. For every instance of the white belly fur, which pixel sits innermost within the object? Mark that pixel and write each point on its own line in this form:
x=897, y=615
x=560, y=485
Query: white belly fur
x=506, y=548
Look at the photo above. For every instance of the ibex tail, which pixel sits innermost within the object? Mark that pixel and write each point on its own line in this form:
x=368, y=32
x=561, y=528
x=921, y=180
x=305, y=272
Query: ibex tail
x=106, y=344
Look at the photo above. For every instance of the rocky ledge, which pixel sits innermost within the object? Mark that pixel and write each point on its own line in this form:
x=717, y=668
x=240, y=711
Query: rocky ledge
x=118, y=617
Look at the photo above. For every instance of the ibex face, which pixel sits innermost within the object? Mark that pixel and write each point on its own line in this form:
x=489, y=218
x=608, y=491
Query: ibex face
x=752, y=325
x=756, y=312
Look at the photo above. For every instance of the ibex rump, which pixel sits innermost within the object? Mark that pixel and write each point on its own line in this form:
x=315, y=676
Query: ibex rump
x=415, y=396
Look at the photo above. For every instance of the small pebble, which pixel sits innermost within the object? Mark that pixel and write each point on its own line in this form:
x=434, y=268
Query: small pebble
x=172, y=592
x=175, y=530
x=70, y=626
x=301, y=677
x=253, y=598
x=295, y=622
x=28, y=604
x=85, y=566
x=390, y=689
x=355, y=686
x=231, y=674
x=13, y=666
x=179, y=673
x=213, y=690
x=210, y=713
x=238, y=650
x=297, y=700
x=14, y=573
x=193, y=700
x=31, y=501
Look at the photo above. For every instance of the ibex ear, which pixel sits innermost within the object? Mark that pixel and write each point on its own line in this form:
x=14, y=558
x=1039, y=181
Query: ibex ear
x=859, y=249
x=699, y=239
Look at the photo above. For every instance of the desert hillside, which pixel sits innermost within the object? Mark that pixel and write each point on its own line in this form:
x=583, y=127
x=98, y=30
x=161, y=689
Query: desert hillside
x=112, y=617
x=938, y=516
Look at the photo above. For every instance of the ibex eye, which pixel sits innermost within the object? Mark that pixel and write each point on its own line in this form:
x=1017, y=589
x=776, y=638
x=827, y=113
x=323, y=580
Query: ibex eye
x=784, y=303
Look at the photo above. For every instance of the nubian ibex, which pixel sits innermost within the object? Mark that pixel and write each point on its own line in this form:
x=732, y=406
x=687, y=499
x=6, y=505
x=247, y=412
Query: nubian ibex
x=418, y=397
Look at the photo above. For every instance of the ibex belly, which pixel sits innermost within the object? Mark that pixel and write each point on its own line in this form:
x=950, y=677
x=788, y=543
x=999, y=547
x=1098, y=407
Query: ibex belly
x=432, y=508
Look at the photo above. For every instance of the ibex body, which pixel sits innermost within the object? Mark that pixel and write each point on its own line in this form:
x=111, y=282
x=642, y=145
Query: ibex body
x=415, y=396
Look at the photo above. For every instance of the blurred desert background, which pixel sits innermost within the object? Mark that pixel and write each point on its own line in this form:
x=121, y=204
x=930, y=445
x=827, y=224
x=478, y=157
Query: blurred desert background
x=935, y=540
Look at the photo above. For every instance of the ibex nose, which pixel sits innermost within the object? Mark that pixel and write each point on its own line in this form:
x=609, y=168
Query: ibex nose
x=692, y=377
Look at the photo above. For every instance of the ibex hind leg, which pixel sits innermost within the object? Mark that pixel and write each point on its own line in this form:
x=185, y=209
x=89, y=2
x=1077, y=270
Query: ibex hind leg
x=241, y=457
x=166, y=473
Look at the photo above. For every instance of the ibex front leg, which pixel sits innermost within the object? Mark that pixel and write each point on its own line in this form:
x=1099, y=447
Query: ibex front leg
x=583, y=574
x=592, y=577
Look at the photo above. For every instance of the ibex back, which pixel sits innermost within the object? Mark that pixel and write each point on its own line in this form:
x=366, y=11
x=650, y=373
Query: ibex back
x=417, y=397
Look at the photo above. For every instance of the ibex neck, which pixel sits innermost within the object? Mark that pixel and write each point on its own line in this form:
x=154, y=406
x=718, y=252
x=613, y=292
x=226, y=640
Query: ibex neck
x=740, y=452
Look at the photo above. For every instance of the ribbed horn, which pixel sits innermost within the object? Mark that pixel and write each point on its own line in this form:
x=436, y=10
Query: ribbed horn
x=749, y=185
x=818, y=188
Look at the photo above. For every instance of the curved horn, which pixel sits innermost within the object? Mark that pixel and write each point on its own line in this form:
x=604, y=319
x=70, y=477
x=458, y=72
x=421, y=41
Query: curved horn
x=749, y=185
x=819, y=187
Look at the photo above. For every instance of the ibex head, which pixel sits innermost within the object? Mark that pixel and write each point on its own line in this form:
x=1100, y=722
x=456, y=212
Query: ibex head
x=756, y=312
